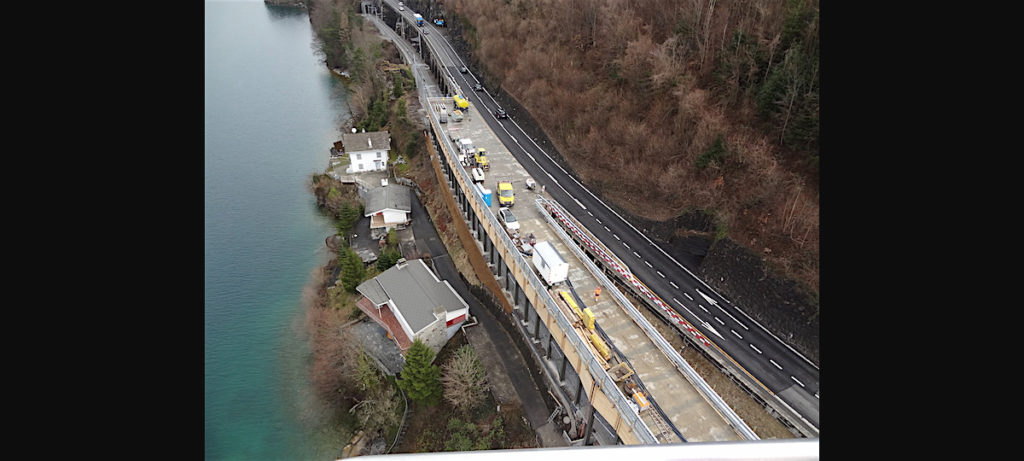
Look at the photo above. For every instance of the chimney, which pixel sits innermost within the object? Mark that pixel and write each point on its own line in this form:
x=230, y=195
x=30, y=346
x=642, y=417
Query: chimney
x=369, y=142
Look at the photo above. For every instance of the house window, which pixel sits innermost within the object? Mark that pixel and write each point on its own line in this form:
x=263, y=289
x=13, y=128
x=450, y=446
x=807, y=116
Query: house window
x=359, y=156
x=378, y=154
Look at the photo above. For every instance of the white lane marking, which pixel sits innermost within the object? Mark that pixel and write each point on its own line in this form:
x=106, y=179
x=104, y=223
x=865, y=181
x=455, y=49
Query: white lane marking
x=647, y=263
x=598, y=220
x=589, y=213
x=627, y=245
x=706, y=324
x=756, y=349
x=635, y=254
x=816, y=395
x=776, y=365
x=715, y=303
x=616, y=237
x=513, y=139
x=688, y=296
x=684, y=307
x=709, y=327
x=719, y=321
x=674, y=285
x=659, y=273
x=797, y=381
x=702, y=308
x=607, y=229
x=735, y=333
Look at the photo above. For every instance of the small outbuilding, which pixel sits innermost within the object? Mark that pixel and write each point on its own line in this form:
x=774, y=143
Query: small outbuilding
x=388, y=207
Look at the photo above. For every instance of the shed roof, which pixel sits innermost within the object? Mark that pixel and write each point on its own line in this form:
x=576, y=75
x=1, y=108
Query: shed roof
x=415, y=291
x=391, y=196
x=354, y=142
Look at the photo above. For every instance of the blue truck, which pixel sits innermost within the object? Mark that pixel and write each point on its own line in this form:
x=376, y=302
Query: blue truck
x=419, y=19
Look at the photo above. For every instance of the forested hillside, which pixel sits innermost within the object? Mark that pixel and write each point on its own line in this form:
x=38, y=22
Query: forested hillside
x=668, y=106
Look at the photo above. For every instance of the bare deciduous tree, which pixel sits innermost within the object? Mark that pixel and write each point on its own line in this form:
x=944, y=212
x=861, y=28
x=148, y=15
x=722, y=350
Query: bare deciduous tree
x=379, y=410
x=464, y=379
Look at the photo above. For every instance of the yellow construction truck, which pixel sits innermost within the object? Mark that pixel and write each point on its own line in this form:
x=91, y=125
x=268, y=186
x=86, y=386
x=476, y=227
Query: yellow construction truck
x=506, y=196
x=481, y=159
x=460, y=103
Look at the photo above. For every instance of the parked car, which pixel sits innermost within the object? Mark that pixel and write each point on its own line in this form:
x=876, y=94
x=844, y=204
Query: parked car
x=463, y=69
x=478, y=87
x=500, y=113
x=508, y=219
x=401, y=8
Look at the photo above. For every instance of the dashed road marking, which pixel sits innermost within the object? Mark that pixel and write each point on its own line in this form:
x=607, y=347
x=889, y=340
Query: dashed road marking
x=702, y=307
x=616, y=237
x=659, y=273
x=636, y=254
x=719, y=320
x=735, y=333
x=674, y=285
x=776, y=365
x=797, y=381
x=756, y=349
x=647, y=263
x=688, y=296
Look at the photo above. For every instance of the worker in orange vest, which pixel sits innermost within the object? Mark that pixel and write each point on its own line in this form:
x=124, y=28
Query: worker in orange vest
x=597, y=293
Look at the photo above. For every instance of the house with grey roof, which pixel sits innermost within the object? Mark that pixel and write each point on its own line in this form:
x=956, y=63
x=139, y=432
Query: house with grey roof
x=388, y=207
x=411, y=303
x=366, y=151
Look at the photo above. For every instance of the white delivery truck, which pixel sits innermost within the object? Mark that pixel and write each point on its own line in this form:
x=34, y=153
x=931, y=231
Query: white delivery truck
x=552, y=268
x=466, y=146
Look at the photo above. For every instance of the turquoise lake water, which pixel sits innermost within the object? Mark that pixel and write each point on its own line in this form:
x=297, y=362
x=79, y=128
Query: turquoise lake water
x=272, y=111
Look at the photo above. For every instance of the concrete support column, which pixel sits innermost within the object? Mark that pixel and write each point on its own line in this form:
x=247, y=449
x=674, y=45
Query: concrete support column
x=590, y=424
x=537, y=325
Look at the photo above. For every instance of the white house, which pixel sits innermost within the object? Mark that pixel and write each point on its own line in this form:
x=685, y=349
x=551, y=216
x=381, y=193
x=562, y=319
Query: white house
x=411, y=303
x=366, y=151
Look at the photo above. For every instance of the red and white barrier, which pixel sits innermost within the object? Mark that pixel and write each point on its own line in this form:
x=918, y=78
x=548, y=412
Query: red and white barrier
x=623, y=272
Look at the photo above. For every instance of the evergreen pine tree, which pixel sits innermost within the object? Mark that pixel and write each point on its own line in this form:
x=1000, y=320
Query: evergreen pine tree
x=352, y=269
x=421, y=380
